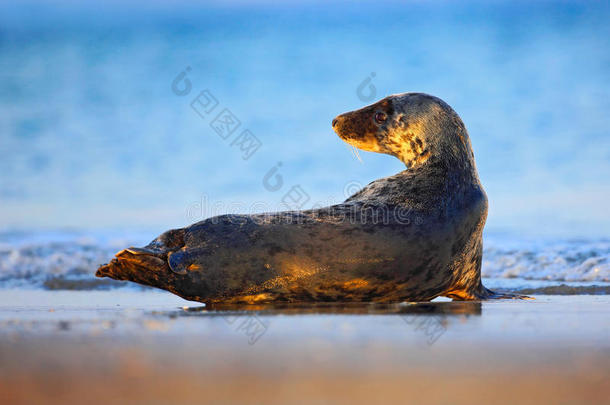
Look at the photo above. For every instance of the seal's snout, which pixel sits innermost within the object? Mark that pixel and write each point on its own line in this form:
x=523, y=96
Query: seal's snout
x=357, y=129
x=341, y=126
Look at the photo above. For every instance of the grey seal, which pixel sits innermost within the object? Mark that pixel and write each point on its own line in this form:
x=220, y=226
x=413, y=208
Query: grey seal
x=412, y=236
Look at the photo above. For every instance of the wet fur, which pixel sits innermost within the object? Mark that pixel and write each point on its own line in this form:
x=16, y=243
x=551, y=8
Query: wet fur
x=413, y=236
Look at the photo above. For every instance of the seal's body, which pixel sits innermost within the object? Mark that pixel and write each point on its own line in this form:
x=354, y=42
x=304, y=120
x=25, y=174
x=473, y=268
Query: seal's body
x=413, y=236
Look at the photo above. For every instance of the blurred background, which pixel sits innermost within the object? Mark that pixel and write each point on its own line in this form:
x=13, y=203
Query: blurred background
x=92, y=135
x=98, y=130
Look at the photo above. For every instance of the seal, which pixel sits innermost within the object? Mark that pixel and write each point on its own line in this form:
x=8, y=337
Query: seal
x=413, y=236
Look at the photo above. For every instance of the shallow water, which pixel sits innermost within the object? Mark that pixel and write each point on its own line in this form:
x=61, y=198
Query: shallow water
x=152, y=347
x=129, y=312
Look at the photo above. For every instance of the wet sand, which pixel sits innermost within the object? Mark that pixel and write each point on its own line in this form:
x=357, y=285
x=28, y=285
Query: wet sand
x=101, y=347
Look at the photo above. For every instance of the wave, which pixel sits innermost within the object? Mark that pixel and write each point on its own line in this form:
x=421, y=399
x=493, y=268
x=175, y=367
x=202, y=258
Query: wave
x=564, y=260
x=59, y=260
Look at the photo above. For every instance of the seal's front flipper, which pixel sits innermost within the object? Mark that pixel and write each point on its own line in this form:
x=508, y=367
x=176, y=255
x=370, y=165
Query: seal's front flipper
x=493, y=295
x=484, y=294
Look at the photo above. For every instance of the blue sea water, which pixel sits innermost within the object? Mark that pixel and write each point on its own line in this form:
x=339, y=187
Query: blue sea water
x=94, y=138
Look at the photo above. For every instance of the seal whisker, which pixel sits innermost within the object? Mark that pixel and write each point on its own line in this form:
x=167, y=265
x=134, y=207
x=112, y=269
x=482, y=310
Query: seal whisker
x=356, y=154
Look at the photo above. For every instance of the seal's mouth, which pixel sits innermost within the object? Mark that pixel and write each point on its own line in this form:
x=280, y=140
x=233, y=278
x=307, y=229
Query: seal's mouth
x=358, y=130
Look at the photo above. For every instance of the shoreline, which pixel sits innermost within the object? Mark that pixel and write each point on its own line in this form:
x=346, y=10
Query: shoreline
x=118, y=346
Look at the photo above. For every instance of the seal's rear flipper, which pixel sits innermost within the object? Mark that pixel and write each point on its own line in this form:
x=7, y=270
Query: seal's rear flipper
x=137, y=265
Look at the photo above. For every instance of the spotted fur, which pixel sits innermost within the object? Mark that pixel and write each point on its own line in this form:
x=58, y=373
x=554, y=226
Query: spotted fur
x=412, y=236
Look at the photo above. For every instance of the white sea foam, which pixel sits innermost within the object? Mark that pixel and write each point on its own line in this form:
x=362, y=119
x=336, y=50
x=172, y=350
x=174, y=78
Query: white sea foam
x=565, y=260
x=60, y=259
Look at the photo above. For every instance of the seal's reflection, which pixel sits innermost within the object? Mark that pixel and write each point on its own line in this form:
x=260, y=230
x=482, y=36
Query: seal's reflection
x=421, y=308
x=428, y=319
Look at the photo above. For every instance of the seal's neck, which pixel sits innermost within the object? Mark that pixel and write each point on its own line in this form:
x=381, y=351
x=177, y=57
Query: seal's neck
x=434, y=136
x=447, y=158
x=442, y=181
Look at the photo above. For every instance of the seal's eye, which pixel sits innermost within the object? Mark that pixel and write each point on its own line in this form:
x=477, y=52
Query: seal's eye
x=380, y=117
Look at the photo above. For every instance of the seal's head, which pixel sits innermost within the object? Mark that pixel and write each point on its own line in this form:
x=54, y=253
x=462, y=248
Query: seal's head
x=414, y=127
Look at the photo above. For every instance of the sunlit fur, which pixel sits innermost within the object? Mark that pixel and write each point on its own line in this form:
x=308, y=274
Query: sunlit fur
x=429, y=243
x=417, y=127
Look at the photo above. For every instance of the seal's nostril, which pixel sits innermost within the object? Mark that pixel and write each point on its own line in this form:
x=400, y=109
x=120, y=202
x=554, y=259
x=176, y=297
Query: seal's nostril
x=334, y=122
